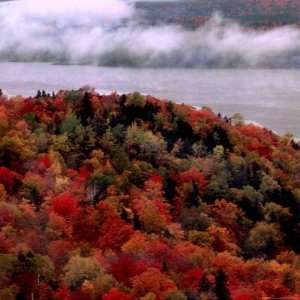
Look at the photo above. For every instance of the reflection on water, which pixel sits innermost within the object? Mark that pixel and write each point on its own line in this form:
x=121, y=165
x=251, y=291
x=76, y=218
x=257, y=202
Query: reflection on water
x=269, y=97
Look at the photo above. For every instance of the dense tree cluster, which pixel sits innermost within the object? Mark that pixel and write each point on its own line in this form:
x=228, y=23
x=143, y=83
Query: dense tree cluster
x=128, y=197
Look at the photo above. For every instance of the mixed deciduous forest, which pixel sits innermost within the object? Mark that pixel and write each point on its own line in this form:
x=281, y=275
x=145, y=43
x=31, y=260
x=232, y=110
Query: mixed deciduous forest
x=130, y=197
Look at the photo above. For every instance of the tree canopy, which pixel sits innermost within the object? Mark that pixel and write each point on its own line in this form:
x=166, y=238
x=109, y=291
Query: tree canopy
x=107, y=197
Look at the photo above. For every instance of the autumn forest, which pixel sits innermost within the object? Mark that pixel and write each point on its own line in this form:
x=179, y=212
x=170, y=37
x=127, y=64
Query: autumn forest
x=109, y=197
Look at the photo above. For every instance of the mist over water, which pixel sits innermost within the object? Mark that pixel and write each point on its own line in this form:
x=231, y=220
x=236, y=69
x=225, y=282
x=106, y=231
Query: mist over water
x=108, y=33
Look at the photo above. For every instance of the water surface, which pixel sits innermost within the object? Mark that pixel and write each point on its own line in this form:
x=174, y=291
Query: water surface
x=267, y=96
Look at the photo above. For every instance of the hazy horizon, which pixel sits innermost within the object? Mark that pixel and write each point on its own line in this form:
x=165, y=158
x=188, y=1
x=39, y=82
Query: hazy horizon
x=110, y=34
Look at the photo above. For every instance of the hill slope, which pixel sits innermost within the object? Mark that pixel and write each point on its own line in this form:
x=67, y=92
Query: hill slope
x=129, y=197
x=249, y=12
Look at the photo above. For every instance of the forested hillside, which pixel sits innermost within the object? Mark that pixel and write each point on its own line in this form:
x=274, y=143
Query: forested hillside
x=249, y=12
x=130, y=197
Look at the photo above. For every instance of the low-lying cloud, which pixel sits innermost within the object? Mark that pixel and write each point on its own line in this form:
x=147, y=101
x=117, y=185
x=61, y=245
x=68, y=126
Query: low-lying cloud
x=108, y=33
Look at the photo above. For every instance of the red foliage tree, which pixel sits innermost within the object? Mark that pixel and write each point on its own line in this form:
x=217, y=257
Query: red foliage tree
x=115, y=294
x=152, y=281
x=62, y=294
x=243, y=296
x=86, y=225
x=191, y=278
x=59, y=252
x=6, y=217
x=5, y=244
x=205, y=116
x=194, y=175
x=114, y=233
x=125, y=267
x=65, y=205
x=44, y=162
x=259, y=140
x=9, y=179
x=272, y=288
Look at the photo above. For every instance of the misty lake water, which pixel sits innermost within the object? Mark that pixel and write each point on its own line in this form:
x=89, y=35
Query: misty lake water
x=270, y=97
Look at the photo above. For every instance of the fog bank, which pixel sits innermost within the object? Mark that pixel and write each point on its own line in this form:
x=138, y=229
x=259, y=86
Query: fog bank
x=108, y=33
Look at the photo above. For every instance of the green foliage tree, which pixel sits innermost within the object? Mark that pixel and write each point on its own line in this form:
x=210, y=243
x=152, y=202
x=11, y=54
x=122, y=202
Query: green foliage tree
x=251, y=201
x=145, y=145
x=70, y=124
x=270, y=188
x=275, y=213
x=80, y=269
x=237, y=119
x=8, y=265
x=176, y=295
x=40, y=265
x=136, y=99
x=263, y=239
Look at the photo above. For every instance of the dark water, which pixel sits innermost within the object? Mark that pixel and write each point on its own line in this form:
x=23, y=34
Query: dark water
x=268, y=97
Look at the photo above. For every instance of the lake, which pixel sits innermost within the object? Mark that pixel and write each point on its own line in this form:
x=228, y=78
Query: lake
x=270, y=97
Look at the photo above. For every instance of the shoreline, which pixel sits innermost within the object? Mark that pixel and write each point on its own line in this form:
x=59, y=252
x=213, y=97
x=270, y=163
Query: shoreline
x=107, y=92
